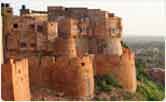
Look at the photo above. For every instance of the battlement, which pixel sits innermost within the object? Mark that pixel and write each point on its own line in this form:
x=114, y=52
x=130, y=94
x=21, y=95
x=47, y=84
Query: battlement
x=6, y=9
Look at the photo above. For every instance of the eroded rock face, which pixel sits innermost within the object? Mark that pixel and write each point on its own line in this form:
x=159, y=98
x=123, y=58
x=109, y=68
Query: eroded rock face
x=156, y=74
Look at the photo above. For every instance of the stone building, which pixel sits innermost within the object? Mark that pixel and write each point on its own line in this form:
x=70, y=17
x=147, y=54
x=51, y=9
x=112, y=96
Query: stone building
x=62, y=44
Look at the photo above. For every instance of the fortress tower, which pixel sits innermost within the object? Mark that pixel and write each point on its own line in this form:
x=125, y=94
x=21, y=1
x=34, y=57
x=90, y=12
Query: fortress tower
x=63, y=47
x=114, y=46
x=65, y=44
x=7, y=14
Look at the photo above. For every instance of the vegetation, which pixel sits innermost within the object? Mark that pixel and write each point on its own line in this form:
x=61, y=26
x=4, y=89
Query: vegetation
x=141, y=66
x=151, y=91
x=106, y=83
x=146, y=88
x=108, y=88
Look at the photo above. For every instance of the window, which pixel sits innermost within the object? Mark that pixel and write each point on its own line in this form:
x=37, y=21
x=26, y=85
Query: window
x=32, y=26
x=39, y=28
x=15, y=25
x=54, y=59
x=74, y=37
x=19, y=71
x=9, y=11
x=23, y=45
x=92, y=50
x=113, y=30
x=66, y=9
x=83, y=64
x=33, y=45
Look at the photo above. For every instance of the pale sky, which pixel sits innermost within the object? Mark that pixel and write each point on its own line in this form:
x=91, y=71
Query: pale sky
x=140, y=17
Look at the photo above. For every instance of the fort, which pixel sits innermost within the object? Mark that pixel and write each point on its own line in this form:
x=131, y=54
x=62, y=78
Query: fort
x=63, y=49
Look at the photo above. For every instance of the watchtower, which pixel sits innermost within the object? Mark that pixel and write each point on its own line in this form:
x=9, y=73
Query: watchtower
x=6, y=13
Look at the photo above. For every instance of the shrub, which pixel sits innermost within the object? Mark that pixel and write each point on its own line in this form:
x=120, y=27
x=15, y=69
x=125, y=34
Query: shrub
x=140, y=67
x=150, y=90
x=105, y=83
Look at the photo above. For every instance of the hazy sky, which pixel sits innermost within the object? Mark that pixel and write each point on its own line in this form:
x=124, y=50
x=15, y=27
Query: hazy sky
x=140, y=17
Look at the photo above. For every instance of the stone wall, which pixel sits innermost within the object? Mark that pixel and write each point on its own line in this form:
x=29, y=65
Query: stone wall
x=97, y=23
x=52, y=30
x=66, y=47
x=114, y=47
x=39, y=70
x=6, y=82
x=104, y=64
x=15, y=80
x=67, y=27
x=34, y=71
x=122, y=67
x=115, y=26
x=126, y=73
x=73, y=76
